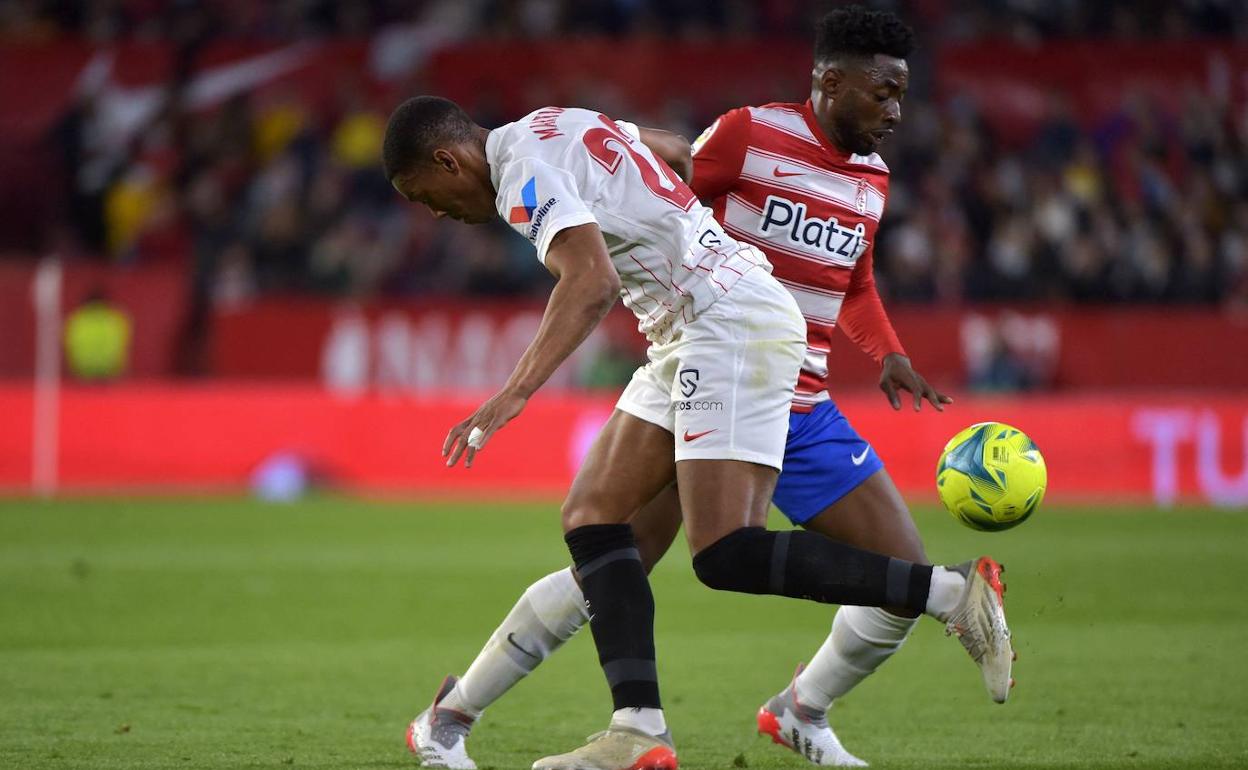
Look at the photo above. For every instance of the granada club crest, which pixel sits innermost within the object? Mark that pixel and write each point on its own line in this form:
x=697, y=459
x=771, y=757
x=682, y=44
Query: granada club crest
x=860, y=200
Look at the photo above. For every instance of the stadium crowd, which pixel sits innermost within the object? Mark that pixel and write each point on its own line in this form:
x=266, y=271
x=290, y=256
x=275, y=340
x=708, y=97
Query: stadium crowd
x=271, y=198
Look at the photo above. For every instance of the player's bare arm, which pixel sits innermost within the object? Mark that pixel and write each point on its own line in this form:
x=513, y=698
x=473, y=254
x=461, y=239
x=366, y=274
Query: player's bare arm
x=587, y=286
x=673, y=148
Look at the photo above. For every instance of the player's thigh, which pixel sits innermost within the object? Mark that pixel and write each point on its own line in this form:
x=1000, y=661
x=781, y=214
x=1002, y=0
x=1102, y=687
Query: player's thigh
x=731, y=407
x=629, y=463
x=872, y=516
x=834, y=484
x=720, y=496
x=655, y=525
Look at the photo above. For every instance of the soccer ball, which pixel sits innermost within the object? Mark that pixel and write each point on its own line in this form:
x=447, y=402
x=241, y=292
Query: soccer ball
x=991, y=476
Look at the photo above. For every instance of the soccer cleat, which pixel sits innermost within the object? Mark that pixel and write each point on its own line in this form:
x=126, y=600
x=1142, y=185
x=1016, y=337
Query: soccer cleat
x=979, y=623
x=618, y=748
x=803, y=729
x=438, y=735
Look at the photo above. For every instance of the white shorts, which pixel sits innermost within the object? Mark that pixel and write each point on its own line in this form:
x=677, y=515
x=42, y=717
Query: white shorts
x=724, y=386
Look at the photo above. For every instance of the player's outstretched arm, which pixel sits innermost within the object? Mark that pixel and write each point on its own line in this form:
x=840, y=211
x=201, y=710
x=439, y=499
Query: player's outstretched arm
x=897, y=373
x=586, y=287
x=864, y=321
x=674, y=149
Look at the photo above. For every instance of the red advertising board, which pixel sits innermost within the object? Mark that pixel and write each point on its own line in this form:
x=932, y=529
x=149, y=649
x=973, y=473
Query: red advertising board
x=1098, y=448
x=455, y=343
x=461, y=344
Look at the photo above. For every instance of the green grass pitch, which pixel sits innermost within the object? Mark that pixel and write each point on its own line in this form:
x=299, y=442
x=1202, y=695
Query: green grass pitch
x=222, y=633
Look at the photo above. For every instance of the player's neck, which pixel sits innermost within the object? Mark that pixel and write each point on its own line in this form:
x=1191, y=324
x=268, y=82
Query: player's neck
x=478, y=162
x=821, y=109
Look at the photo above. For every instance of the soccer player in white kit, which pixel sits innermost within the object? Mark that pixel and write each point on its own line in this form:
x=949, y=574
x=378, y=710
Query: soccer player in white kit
x=710, y=410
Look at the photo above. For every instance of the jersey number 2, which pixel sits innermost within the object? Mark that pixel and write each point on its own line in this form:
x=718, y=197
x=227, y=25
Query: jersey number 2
x=602, y=143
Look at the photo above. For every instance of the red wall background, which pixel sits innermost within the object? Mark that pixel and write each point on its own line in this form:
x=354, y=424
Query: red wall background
x=473, y=344
x=456, y=343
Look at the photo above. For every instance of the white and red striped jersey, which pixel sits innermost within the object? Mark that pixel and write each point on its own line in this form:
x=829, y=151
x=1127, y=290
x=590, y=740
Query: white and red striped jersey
x=776, y=182
x=558, y=168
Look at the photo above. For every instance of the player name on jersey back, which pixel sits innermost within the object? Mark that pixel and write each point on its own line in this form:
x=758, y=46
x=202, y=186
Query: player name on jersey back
x=562, y=167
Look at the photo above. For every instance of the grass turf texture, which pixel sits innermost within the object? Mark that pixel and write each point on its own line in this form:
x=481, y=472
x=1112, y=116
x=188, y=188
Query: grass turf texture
x=226, y=633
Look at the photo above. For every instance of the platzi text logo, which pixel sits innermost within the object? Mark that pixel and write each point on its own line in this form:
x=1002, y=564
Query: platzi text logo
x=788, y=222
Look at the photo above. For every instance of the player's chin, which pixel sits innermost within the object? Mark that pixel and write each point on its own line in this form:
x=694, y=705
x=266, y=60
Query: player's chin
x=870, y=143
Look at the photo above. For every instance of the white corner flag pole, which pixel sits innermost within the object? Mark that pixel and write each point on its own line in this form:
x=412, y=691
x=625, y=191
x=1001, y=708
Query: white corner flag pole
x=46, y=296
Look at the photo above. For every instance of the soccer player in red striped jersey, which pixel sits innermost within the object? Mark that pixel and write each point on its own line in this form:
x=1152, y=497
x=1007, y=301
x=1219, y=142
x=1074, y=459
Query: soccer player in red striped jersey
x=802, y=183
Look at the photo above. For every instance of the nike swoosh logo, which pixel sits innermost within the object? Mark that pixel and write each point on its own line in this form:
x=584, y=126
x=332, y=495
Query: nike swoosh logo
x=695, y=436
x=776, y=172
x=512, y=642
x=860, y=459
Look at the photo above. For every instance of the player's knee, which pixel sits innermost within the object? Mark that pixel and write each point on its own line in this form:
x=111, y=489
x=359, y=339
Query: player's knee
x=581, y=513
x=577, y=512
x=905, y=544
x=739, y=561
x=574, y=516
x=652, y=543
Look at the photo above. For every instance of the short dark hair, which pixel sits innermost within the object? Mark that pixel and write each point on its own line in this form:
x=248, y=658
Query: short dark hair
x=858, y=31
x=417, y=127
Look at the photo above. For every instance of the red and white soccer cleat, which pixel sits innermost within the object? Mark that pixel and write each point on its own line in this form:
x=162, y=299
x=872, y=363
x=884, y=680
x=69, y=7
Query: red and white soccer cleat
x=437, y=737
x=979, y=623
x=804, y=730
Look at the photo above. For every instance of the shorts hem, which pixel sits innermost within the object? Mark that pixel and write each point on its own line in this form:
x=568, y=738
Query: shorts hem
x=641, y=413
x=710, y=453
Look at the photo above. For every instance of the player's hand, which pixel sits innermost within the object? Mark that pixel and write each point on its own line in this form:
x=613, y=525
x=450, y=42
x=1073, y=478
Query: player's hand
x=471, y=434
x=898, y=374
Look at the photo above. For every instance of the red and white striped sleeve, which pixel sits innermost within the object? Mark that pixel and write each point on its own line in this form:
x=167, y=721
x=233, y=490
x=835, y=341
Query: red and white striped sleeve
x=719, y=154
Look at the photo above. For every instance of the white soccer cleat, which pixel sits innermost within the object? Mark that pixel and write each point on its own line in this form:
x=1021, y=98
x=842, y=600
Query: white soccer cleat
x=618, y=748
x=979, y=623
x=437, y=737
x=804, y=730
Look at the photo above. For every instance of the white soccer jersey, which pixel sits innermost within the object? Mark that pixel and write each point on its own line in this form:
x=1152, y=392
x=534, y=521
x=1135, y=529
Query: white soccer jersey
x=561, y=167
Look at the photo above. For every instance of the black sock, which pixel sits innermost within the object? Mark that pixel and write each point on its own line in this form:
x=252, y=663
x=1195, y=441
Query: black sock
x=805, y=565
x=621, y=610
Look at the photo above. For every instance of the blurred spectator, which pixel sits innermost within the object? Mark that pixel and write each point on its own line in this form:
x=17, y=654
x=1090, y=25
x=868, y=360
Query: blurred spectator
x=273, y=192
x=999, y=370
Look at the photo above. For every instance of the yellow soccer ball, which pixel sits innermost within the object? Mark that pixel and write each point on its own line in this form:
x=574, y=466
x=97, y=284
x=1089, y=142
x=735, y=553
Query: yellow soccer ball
x=991, y=476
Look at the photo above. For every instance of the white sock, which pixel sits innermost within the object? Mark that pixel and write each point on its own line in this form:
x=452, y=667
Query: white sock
x=648, y=721
x=862, y=639
x=945, y=592
x=548, y=613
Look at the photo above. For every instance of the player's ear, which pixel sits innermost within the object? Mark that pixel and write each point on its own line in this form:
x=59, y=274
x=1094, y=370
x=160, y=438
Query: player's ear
x=445, y=160
x=831, y=81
